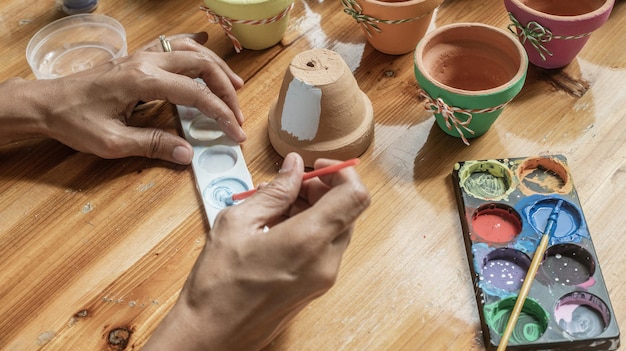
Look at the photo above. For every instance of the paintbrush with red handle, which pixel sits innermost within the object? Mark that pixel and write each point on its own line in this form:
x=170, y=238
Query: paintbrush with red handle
x=308, y=175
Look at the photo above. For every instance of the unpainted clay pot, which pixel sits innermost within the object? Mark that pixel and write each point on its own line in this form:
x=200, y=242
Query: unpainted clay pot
x=256, y=24
x=392, y=26
x=553, y=32
x=320, y=111
x=468, y=72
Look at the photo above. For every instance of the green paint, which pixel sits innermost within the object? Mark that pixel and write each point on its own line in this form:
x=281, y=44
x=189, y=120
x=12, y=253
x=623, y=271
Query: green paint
x=486, y=185
x=486, y=180
x=531, y=324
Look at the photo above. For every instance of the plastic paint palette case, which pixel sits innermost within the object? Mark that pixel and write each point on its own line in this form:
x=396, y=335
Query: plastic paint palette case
x=218, y=164
x=504, y=207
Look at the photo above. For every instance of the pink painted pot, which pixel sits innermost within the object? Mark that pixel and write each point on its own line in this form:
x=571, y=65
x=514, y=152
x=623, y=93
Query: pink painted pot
x=554, y=32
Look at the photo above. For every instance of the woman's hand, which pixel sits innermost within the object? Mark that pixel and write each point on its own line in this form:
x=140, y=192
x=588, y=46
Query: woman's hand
x=265, y=260
x=89, y=110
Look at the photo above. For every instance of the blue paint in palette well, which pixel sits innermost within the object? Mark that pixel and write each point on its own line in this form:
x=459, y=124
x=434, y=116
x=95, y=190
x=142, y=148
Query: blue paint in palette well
x=568, y=226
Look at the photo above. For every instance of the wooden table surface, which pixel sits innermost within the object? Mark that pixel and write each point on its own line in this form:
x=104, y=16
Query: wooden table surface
x=93, y=252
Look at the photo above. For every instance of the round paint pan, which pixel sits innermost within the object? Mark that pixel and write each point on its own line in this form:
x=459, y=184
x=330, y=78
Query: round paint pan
x=203, y=128
x=567, y=264
x=219, y=191
x=218, y=159
x=582, y=315
x=567, y=224
x=542, y=175
x=495, y=223
x=487, y=180
x=530, y=326
x=505, y=269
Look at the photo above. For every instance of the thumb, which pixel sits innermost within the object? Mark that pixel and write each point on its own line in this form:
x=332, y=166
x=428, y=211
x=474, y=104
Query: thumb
x=156, y=143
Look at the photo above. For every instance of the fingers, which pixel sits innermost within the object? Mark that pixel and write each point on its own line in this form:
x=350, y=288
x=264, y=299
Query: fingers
x=218, y=100
x=273, y=200
x=178, y=42
x=123, y=141
x=324, y=207
x=337, y=199
x=156, y=143
x=195, y=42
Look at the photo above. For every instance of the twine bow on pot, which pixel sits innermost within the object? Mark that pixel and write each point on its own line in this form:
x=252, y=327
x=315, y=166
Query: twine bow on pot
x=227, y=23
x=352, y=8
x=355, y=10
x=448, y=113
x=537, y=34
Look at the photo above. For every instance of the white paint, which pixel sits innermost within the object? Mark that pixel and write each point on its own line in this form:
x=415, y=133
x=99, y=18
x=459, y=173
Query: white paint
x=301, y=110
x=204, y=129
x=218, y=159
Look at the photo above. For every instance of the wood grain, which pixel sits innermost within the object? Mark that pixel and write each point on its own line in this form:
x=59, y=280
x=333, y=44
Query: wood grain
x=93, y=252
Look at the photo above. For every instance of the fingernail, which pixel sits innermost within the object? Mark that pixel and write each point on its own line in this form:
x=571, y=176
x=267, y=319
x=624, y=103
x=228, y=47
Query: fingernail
x=182, y=155
x=288, y=164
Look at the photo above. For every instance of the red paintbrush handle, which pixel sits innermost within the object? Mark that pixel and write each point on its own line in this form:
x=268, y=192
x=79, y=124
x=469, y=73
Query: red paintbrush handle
x=315, y=173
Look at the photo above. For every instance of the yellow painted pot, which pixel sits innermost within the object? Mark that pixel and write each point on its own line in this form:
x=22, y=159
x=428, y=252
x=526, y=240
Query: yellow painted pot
x=255, y=24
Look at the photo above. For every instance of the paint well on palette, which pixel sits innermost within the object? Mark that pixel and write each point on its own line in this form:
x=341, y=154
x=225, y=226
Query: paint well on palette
x=486, y=180
x=496, y=223
x=486, y=185
x=567, y=224
x=568, y=264
x=505, y=269
x=218, y=159
x=205, y=129
x=218, y=192
x=531, y=324
x=544, y=176
x=582, y=315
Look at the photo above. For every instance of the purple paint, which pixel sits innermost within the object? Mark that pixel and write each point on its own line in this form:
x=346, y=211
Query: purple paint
x=505, y=269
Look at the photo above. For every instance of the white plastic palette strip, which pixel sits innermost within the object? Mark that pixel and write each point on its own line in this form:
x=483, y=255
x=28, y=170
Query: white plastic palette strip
x=218, y=164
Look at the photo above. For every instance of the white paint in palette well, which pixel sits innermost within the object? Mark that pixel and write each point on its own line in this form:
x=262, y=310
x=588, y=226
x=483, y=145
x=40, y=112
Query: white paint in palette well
x=301, y=110
x=218, y=159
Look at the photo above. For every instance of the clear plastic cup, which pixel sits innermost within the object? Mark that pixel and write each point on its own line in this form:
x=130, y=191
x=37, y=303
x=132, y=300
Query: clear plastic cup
x=75, y=43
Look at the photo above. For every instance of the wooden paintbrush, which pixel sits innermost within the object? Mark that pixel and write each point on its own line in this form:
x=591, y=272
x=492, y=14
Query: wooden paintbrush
x=530, y=276
x=315, y=173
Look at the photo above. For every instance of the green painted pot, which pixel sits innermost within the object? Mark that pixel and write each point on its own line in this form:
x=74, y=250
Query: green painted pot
x=255, y=24
x=467, y=73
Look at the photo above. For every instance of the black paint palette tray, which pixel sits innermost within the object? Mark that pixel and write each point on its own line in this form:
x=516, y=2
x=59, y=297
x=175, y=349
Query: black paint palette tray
x=504, y=205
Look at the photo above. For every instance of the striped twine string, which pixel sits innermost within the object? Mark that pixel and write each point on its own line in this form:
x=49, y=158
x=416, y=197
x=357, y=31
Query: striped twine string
x=537, y=34
x=352, y=8
x=448, y=113
x=227, y=23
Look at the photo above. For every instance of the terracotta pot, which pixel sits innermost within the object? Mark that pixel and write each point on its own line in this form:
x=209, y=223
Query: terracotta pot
x=392, y=26
x=320, y=111
x=467, y=73
x=554, y=32
x=254, y=24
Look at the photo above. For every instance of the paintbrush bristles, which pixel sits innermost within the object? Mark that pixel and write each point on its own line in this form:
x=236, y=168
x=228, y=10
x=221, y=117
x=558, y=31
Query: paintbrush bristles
x=530, y=276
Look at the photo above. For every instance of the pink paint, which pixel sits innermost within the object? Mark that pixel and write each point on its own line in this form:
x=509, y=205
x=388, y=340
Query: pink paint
x=496, y=225
x=588, y=284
